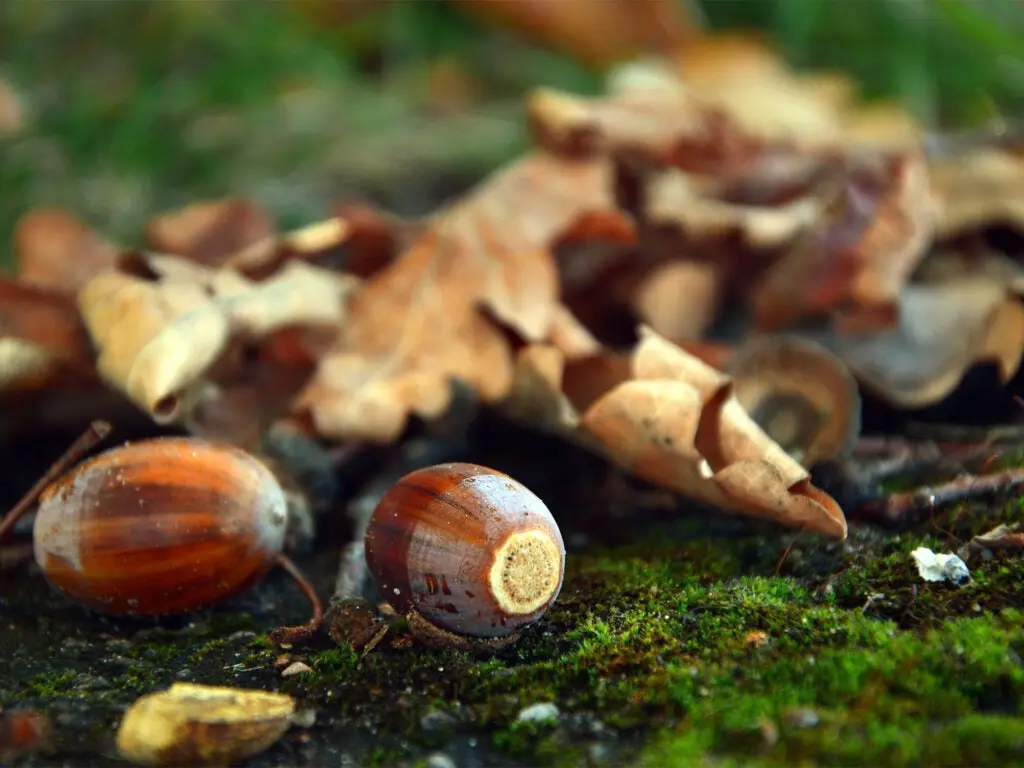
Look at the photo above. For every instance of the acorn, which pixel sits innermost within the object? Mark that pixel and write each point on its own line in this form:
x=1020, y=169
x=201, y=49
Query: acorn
x=467, y=554
x=161, y=526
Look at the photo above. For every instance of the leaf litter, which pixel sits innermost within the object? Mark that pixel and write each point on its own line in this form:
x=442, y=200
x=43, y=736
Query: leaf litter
x=804, y=214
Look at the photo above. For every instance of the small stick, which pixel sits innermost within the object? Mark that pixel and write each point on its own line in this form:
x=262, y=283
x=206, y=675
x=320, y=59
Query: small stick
x=303, y=633
x=94, y=434
x=899, y=505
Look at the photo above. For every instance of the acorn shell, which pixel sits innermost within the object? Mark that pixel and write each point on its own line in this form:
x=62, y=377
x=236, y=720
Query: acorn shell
x=800, y=394
x=468, y=548
x=160, y=526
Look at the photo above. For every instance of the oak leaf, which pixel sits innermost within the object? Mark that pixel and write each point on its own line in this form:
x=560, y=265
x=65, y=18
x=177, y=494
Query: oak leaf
x=436, y=314
x=158, y=340
x=53, y=249
x=670, y=419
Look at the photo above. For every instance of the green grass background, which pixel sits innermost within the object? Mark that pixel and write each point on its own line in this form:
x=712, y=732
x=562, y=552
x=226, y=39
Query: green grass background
x=142, y=106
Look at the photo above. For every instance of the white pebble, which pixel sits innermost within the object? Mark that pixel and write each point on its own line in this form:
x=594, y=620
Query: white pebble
x=296, y=668
x=538, y=713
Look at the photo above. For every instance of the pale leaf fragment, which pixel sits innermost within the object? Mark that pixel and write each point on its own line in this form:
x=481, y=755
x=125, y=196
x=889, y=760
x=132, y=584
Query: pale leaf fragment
x=203, y=725
x=157, y=341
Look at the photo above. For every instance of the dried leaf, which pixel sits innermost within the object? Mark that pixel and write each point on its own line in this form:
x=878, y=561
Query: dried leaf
x=674, y=421
x=979, y=189
x=210, y=232
x=678, y=200
x=1001, y=537
x=203, y=725
x=157, y=341
x=860, y=254
x=594, y=31
x=419, y=324
x=943, y=329
x=52, y=249
x=799, y=394
x=679, y=300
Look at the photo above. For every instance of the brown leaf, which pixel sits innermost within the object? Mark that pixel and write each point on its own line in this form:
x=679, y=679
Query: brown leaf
x=420, y=323
x=802, y=396
x=979, y=189
x=52, y=249
x=210, y=232
x=861, y=252
x=1001, y=537
x=671, y=420
x=943, y=328
x=158, y=341
x=595, y=31
x=679, y=300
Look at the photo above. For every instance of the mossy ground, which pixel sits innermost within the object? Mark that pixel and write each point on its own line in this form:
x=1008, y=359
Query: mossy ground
x=684, y=644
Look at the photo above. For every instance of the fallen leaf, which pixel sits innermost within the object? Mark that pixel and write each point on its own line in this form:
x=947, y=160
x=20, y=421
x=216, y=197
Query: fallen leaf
x=1001, y=537
x=858, y=257
x=679, y=300
x=979, y=189
x=158, y=340
x=434, y=316
x=943, y=329
x=53, y=249
x=670, y=419
x=596, y=32
x=202, y=725
x=802, y=396
x=209, y=232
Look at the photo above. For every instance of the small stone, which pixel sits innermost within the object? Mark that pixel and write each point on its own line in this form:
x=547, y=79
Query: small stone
x=296, y=668
x=801, y=717
x=305, y=719
x=241, y=636
x=538, y=713
x=436, y=720
x=440, y=760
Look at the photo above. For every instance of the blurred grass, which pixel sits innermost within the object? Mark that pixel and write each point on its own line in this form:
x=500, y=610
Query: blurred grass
x=144, y=106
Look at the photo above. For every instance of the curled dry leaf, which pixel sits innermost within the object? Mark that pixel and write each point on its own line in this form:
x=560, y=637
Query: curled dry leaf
x=1001, y=537
x=861, y=251
x=53, y=249
x=943, y=329
x=420, y=323
x=979, y=189
x=670, y=419
x=41, y=337
x=802, y=396
x=203, y=725
x=158, y=340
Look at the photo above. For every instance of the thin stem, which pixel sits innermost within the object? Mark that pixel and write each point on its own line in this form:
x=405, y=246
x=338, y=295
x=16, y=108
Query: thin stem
x=96, y=432
x=303, y=633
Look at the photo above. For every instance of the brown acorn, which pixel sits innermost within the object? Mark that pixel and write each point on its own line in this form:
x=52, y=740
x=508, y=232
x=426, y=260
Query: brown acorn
x=469, y=555
x=160, y=527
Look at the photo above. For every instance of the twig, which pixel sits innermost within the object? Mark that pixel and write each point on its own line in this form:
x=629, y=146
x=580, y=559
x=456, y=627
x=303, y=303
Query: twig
x=898, y=506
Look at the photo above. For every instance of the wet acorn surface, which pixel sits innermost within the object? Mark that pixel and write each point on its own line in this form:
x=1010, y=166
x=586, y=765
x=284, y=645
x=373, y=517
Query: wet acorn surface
x=652, y=648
